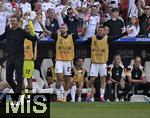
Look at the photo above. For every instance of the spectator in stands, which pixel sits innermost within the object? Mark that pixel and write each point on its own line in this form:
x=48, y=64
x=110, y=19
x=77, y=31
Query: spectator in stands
x=144, y=20
x=11, y=6
x=134, y=27
x=84, y=13
x=3, y=17
x=114, y=3
x=47, y=4
x=87, y=3
x=19, y=12
x=140, y=5
x=115, y=24
x=107, y=11
x=56, y=2
x=93, y=22
x=76, y=4
x=32, y=2
x=136, y=77
x=51, y=77
x=147, y=2
x=116, y=80
x=70, y=19
x=24, y=18
x=104, y=18
x=25, y=6
x=51, y=21
x=132, y=8
x=35, y=15
x=60, y=7
x=79, y=75
x=124, y=9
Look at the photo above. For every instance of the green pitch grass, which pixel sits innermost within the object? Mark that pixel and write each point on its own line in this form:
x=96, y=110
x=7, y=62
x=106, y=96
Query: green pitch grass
x=100, y=110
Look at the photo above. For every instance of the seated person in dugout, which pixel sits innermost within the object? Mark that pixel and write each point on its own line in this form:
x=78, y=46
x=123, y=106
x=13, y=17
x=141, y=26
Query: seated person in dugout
x=79, y=77
x=136, y=77
x=51, y=77
x=116, y=80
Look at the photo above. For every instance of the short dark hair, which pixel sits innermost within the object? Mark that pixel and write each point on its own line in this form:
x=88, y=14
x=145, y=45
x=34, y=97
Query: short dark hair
x=26, y=26
x=115, y=9
x=77, y=58
x=94, y=6
x=15, y=16
x=69, y=9
x=117, y=55
x=101, y=26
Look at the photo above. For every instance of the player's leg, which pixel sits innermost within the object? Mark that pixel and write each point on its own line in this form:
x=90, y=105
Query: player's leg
x=103, y=74
x=122, y=87
x=80, y=86
x=60, y=80
x=73, y=91
x=146, y=88
x=67, y=85
x=91, y=89
x=116, y=91
x=24, y=76
x=19, y=73
x=9, y=75
x=109, y=90
x=126, y=91
x=29, y=79
x=29, y=85
x=67, y=78
x=93, y=75
x=19, y=62
x=28, y=72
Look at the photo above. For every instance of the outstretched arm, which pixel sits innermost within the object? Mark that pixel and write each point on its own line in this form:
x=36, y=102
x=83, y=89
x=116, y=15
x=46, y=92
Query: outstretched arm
x=113, y=38
x=29, y=37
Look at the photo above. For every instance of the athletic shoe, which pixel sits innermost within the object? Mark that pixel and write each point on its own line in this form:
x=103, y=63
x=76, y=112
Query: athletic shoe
x=64, y=99
x=59, y=100
x=107, y=100
x=102, y=99
x=147, y=99
x=122, y=100
x=72, y=100
x=79, y=99
x=116, y=100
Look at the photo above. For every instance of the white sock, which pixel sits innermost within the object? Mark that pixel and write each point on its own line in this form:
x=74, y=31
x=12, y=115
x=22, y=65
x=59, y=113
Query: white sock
x=66, y=93
x=53, y=85
x=102, y=91
x=79, y=99
x=58, y=93
x=92, y=99
x=73, y=92
x=62, y=88
x=61, y=91
x=89, y=92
